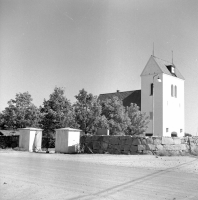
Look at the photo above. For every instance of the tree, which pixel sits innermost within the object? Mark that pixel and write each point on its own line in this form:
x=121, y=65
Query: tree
x=2, y=121
x=139, y=121
x=115, y=113
x=20, y=113
x=57, y=112
x=88, y=112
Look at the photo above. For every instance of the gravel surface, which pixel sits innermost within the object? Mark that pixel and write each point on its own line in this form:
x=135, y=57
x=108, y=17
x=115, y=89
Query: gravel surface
x=26, y=175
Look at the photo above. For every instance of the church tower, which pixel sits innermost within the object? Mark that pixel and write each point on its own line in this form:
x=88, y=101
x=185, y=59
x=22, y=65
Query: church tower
x=162, y=98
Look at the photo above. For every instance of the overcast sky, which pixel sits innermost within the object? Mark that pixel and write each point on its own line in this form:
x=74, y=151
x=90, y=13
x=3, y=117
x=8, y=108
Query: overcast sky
x=98, y=45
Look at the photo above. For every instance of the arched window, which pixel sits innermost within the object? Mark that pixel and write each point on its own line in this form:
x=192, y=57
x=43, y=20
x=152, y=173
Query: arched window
x=172, y=92
x=175, y=91
x=151, y=89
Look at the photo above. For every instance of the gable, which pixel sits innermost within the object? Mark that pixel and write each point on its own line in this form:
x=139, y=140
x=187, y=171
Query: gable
x=163, y=66
x=157, y=66
x=151, y=68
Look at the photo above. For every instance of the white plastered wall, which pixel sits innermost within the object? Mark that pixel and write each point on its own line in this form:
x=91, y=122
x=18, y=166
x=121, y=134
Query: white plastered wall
x=30, y=139
x=74, y=138
x=173, y=107
x=61, y=143
x=147, y=102
x=24, y=139
x=66, y=138
x=35, y=140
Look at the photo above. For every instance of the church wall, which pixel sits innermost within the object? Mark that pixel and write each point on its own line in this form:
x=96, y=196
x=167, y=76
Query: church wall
x=173, y=107
x=158, y=105
x=146, y=99
x=147, y=102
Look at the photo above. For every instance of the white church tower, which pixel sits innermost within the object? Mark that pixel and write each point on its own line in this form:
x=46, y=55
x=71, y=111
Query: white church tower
x=162, y=98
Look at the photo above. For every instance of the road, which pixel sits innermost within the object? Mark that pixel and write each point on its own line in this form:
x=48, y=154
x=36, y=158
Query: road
x=36, y=176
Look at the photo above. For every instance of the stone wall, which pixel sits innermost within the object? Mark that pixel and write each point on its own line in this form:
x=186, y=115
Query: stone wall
x=139, y=145
x=124, y=144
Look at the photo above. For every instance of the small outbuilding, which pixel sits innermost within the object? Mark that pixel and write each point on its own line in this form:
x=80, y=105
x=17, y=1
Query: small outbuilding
x=30, y=139
x=67, y=140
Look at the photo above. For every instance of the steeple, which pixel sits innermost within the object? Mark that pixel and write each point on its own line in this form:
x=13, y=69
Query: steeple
x=153, y=49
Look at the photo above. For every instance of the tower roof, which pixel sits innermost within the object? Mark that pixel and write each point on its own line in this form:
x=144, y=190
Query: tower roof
x=162, y=65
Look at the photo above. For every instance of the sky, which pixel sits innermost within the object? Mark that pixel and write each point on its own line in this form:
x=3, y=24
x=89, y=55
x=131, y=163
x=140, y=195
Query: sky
x=99, y=45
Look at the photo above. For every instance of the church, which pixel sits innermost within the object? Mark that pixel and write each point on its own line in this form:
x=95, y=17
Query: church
x=161, y=97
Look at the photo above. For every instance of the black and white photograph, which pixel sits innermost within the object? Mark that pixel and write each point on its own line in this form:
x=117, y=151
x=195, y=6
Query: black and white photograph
x=98, y=99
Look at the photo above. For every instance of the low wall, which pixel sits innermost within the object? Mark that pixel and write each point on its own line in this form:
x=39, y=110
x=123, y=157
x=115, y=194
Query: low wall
x=124, y=144
x=139, y=145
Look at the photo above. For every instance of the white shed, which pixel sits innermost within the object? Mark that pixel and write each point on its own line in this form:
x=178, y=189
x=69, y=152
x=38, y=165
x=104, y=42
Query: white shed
x=67, y=140
x=30, y=139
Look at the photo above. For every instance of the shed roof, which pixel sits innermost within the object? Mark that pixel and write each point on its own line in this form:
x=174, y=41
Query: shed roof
x=69, y=129
x=9, y=132
x=31, y=129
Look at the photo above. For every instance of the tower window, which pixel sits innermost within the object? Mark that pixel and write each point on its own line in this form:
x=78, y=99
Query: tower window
x=151, y=115
x=172, y=92
x=171, y=69
x=166, y=129
x=175, y=91
x=151, y=89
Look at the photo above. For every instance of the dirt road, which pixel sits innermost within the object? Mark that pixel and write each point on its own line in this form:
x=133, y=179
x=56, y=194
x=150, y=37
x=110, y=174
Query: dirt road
x=35, y=176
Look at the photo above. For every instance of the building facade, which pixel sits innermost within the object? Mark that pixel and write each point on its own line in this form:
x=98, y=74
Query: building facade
x=161, y=97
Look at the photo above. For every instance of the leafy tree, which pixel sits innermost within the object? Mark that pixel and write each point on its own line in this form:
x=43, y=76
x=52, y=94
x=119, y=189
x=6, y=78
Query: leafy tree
x=101, y=122
x=2, y=121
x=139, y=121
x=88, y=112
x=20, y=113
x=115, y=113
x=57, y=112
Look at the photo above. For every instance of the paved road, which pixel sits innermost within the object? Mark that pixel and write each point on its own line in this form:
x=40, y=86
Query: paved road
x=34, y=176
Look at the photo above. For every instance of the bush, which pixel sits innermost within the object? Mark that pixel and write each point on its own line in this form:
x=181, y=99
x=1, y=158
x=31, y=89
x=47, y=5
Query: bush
x=194, y=152
x=174, y=134
x=167, y=153
x=187, y=134
x=48, y=142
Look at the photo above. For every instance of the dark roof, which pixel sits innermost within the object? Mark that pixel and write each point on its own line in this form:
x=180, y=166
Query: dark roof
x=9, y=132
x=127, y=97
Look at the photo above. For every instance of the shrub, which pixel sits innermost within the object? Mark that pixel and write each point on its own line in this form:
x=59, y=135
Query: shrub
x=187, y=134
x=174, y=134
x=167, y=153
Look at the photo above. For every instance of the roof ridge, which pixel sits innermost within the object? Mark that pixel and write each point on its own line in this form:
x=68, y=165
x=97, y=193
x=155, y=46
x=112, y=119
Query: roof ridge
x=121, y=92
x=162, y=59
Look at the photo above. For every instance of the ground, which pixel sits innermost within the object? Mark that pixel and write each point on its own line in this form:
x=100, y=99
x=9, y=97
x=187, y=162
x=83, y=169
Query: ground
x=36, y=176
